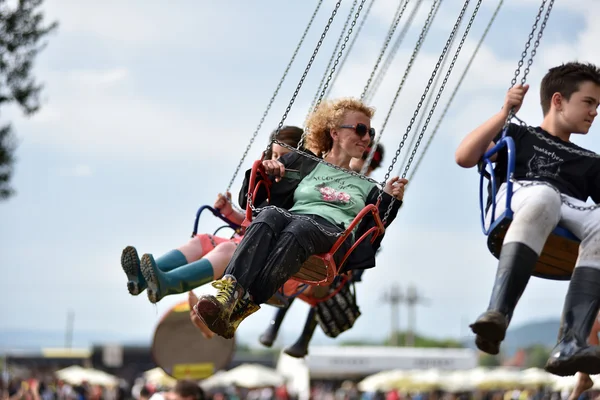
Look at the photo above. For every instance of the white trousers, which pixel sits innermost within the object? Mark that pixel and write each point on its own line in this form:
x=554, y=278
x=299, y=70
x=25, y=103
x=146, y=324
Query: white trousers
x=538, y=209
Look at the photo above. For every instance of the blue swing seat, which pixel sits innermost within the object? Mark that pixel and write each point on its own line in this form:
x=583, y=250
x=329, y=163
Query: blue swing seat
x=561, y=249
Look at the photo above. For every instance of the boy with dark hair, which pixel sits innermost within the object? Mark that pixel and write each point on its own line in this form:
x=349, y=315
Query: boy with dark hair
x=552, y=177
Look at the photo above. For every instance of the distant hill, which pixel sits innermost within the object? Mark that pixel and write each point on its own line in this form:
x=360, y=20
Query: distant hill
x=523, y=336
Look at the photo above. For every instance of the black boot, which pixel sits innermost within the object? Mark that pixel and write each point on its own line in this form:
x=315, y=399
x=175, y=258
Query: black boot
x=515, y=266
x=269, y=335
x=300, y=348
x=572, y=354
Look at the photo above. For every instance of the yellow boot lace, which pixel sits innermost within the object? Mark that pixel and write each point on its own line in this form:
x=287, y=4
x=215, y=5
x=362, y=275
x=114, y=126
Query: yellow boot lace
x=225, y=290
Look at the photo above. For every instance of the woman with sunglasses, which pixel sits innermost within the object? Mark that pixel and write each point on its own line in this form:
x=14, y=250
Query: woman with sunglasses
x=300, y=348
x=200, y=260
x=321, y=201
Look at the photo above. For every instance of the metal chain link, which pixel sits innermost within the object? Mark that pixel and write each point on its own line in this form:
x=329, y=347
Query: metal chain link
x=305, y=73
x=428, y=21
x=313, y=104
x=322, y=161
x=513, y=82
x=429, y=100
x=429, y=83
x=563, y=196
x=462, y=77
x=335, y=64
x=257, y=210
x=441, y=89
x=350, y=47
x=264, y=116
x=397, y=16
x=392, y=54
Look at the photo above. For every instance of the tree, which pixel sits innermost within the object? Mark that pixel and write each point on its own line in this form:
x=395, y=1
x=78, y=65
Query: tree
x=488, y=360
x=422, y=341
x=537, y=356
x=22, y=29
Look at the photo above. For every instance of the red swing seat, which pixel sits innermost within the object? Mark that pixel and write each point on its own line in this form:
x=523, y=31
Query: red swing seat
x=321, y=269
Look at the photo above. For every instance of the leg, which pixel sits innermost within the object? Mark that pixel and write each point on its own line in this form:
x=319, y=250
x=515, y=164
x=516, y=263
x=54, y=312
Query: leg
x=263, y=273
x=299, y=240
x=573, y=354
x=300, y=348
x=243, y=268
x=130, y=263
x=537, y=210
x=269, y=335
x=584, y=382
x=192, y=270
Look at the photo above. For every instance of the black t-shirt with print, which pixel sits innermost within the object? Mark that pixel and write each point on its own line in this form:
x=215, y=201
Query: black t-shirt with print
x=573, y=174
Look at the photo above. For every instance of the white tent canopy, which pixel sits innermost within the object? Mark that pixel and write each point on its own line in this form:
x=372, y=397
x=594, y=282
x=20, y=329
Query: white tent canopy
x=247, y=376
x=75, y=375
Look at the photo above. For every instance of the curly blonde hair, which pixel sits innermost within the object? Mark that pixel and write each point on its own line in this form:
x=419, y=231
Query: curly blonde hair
x=329, y=115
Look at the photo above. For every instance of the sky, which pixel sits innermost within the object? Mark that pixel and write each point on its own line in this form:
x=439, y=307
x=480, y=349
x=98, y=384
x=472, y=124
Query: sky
x=148, y=107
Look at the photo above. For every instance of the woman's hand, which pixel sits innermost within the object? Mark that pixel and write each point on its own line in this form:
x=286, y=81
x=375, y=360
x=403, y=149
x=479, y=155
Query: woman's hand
x=395, y=187
x=274, y=167
x=223, y=204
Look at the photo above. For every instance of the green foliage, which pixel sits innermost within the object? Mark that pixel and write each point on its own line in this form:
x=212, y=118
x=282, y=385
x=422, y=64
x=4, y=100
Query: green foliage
x=22, y=29
x=537, y=356
x=419, y=341
x=488, y=360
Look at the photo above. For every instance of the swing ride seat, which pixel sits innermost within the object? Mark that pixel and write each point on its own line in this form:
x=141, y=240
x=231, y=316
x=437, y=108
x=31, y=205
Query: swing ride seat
x=321, y=269
x=230, y=224
x=312, y=295
x=560, y=251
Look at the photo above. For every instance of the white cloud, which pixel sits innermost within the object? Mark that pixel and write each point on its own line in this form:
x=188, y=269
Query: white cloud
x=94, y=78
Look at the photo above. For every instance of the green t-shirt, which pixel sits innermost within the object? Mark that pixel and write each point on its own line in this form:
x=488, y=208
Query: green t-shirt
x=332, y=194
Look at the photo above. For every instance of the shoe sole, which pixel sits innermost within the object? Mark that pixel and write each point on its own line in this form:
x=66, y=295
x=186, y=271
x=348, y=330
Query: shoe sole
x=267, y=339
x=586, y=363
x=487, y=346
x=130, y=262
x=215, y=326
x=151, y=279
x=490, y=330
x=296, y=353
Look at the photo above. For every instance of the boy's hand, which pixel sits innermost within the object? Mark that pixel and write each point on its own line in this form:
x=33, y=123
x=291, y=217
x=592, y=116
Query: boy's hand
x=514, y=98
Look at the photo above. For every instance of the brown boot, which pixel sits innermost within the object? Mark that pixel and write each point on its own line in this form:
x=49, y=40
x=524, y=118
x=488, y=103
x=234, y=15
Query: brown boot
x=216, y=311
x=244, y=308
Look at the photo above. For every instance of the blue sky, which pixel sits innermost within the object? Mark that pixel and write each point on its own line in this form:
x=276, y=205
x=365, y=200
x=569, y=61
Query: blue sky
x=148, y=107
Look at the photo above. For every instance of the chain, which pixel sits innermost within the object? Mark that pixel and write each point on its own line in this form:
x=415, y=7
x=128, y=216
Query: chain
x=313, y=104
x=397, y=16
x=322, y=161
x=337, y=60
x=462, y=77
x=392, y=54
x=513, y=82
x=264, y=116
x=432, y=11
x=442, y=87
x=257, y=210
x=537, y=41
x=429, y=83
x=429, y=99
x=583, y=153
x=350, y=47
x=563, y=197
x=305, y=73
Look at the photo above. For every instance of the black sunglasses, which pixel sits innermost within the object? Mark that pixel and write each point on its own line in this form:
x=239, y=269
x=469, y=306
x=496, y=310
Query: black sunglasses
x=361, y=130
